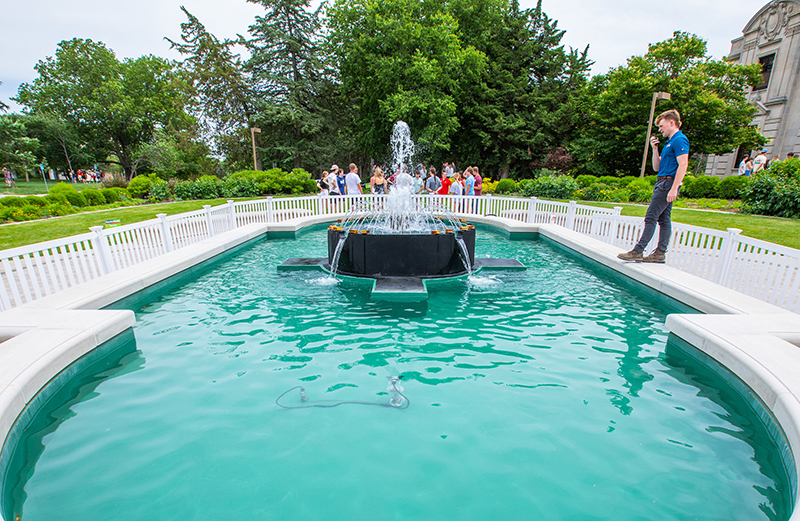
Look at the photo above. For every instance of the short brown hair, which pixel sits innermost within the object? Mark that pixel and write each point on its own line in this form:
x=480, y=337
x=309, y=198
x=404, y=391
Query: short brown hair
x=671, y=115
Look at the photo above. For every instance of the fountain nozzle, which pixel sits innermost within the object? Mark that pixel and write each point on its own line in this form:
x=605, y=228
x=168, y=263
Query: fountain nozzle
x=395, y=389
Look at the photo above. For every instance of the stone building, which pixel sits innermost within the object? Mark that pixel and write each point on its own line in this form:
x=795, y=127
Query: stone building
x=771, y=38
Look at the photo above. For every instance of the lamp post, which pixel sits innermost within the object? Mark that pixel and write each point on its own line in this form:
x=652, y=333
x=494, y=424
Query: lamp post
x=253, y=131
x=656, y=97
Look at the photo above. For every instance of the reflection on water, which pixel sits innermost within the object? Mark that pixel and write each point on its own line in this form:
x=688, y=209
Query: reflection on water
x=546, y=394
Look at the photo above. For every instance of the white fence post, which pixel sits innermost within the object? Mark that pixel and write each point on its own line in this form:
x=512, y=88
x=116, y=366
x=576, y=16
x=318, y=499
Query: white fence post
x=570, y=224
x=231, y=214
x=165, y=235
x=533, y=206
x=209, y=225
x=726, y=254
x=613, y=228
x=270, y=211
x=100, y=246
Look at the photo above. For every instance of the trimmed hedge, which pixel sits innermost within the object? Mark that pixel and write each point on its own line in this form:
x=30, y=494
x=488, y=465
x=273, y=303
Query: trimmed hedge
x=732, y=187
x=506, y=186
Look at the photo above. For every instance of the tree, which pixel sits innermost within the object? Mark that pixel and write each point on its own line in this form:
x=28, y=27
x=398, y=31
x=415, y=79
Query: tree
x=222, y=92
x=3, y=106
x=60, y=143
x=16, y=148
x=709, y=94
x=114, y=106
x=525, y=103
x=297, y=103
x=402, y=60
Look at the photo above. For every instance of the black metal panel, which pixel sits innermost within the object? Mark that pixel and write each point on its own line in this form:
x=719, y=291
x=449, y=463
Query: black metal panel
x=373, y=255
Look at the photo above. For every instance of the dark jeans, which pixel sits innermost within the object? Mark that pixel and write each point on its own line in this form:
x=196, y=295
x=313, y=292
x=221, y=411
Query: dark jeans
x=659, y=211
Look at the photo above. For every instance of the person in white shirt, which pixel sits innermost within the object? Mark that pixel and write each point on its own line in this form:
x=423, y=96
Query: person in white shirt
x=353, y=181
x=333, y=186
x=743, y=164
x=760, y=162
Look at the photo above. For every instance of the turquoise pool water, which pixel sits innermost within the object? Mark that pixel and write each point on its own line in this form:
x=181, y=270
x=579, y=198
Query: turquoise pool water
x=548, y=394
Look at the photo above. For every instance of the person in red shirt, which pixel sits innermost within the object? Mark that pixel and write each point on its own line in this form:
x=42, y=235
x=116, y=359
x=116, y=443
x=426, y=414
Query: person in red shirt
x=446, y=182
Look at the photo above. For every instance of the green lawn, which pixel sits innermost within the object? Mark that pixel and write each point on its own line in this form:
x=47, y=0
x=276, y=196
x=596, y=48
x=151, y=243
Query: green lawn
x=772, y=229
x=37, y=186
x=20, y=234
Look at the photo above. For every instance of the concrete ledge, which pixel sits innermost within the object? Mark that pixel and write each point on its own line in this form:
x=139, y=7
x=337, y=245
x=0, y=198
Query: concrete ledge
x=749, y=337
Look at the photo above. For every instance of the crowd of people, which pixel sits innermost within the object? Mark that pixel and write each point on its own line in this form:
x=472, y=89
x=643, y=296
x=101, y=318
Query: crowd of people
x=750, y=166
x=447, y=181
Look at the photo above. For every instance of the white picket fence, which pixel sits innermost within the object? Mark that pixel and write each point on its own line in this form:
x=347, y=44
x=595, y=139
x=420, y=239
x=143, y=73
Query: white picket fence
x=757, y=268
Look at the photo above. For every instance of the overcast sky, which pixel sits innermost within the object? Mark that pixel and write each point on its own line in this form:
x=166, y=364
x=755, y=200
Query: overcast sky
x=615, y=29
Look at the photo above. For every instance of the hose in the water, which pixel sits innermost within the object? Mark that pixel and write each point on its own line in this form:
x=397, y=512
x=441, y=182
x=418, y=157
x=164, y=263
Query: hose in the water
x=334, y=403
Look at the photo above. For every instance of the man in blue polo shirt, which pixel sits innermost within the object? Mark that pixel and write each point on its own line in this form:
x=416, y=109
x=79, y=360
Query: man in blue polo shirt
x=671, y=165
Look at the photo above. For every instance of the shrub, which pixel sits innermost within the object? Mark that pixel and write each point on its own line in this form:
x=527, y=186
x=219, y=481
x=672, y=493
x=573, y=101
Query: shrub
x=110, y=195
x=122, y=193
x=56, y=209
x=207, y=187
x=26, y=213
x=278, y=182
x=5, y=213
x=159, y=191
x=613, y=182
x=259, y=176
x=489, y=186
x=587, y=180
x=544, y=172
x=596, y=192
x=32, y=200
x=62, y=188
x=639, y=184
x=731, y=187
x=55, y=198
x=140, y=186
x=775, y=191
x=240, y=187
x=620, y=195
x=523, y=183
x=651, y=179
x=93, y=197
x=76, y=199
x=115, y=181
x=560, y=187
x=641, y=196
x=506, y=186
x=703, y=186
x=184, y=190
x=12, y=201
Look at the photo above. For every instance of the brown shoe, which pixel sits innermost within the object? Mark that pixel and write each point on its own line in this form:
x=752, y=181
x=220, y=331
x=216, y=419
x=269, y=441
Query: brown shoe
x=657, y=256
x=633, y=255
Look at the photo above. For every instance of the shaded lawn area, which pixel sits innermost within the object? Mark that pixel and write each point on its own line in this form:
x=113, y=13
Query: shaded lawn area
x=772, y=229
x=30, y=232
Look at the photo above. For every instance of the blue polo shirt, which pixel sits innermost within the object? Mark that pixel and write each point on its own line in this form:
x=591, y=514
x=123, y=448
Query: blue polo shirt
x=677, y=145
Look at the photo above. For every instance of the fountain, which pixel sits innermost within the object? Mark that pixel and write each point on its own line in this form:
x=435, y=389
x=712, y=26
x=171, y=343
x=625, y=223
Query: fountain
x=398, y=239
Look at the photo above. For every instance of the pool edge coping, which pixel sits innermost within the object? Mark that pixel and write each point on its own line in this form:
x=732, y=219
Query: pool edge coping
x=752, y=339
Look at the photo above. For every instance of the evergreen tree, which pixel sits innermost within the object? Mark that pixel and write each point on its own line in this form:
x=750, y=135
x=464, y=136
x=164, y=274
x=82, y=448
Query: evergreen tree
x=297, y=103
x=525, y=103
